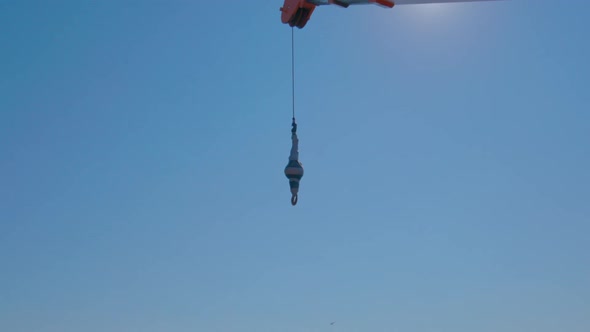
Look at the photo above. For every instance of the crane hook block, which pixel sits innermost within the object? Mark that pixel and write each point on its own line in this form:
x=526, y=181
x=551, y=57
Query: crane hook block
x=294, y=170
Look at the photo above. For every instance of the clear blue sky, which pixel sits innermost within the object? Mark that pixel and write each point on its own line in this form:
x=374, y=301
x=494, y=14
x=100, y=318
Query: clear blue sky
x=446, y=151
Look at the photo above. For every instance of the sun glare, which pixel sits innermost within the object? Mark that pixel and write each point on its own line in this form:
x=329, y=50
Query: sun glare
x=429, y=15
x=425, y=18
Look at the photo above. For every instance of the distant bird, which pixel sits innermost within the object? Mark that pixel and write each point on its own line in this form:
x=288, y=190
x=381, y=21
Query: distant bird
x=332, y=323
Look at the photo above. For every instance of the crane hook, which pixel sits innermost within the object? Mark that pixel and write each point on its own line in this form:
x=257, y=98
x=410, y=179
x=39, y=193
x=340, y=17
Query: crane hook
x=294, y=170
